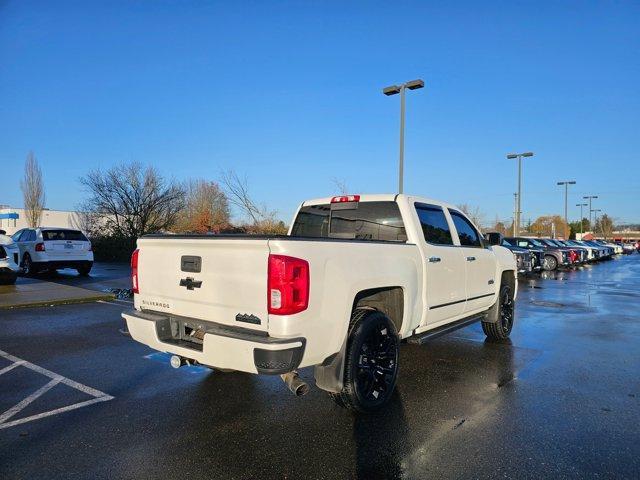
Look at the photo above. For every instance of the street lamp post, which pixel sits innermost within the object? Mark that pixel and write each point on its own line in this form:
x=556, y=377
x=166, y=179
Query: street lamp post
x=581, y=205
x=519, y=156
x=590, y=197
x=595, y=218
x=392, y=90
x=566, y=193
x=515, y=210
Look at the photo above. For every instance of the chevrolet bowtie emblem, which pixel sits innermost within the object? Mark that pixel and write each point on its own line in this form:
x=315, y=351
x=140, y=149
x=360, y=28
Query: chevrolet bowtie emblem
x=190, y=283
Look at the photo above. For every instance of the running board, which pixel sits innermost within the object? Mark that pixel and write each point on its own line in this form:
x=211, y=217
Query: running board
x=424, y=337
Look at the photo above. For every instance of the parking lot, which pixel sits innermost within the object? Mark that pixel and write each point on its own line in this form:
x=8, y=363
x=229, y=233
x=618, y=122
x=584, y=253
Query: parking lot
x=561, y=399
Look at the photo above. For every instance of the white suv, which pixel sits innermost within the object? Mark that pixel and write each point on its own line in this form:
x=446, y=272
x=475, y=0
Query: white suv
x=53, y=248
x=8, y=260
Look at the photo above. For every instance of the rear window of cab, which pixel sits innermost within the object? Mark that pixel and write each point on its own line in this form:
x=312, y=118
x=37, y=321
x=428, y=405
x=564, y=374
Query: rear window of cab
x=372, y=221
x=63, y=235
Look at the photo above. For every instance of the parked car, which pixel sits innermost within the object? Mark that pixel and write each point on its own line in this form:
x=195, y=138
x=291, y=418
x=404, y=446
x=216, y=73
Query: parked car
x=591, y=252
x=355, y=275
x=582, y=252
x=525, y=259
x=627, y=248
x=617, y=249
x=554, y=257
x=572, y=254
x=603, y=251
x=52, y=249
x=594, y=251
x=9, y=258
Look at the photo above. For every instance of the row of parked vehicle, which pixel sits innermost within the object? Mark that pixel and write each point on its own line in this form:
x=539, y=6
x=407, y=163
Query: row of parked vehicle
x=548, y=254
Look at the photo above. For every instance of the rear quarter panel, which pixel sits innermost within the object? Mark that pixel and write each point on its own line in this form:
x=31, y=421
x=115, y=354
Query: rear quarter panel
x=338, y=271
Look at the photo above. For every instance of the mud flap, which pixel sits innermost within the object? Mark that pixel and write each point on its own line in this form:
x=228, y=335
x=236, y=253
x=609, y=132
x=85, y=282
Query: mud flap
x=329, y=374
x=493, y=314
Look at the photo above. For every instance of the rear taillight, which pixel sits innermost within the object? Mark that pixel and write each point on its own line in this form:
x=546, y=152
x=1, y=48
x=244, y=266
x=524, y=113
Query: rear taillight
x=287, y=285
x=134, y=272
x=346, y=198
x=40, y=247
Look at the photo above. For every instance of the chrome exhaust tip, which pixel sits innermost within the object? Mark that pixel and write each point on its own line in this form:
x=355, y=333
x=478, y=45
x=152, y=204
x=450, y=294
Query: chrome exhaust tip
x=176, y=361
x=295, y=384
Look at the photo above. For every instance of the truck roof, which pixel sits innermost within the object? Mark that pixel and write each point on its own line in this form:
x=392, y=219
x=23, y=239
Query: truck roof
x=381, y=197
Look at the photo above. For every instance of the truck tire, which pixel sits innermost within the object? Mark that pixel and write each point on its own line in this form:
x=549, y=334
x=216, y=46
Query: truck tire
x=549, y=263
x=502, y=314
x=371, y=363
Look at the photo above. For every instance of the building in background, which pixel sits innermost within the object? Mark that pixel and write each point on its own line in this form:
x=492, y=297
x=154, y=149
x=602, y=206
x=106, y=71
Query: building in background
x=14, y=219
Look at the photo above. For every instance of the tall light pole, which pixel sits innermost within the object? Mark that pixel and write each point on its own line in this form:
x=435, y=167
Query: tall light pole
x=566, y=193
x=595, y=218
x=392, y=90
x=519, y=156
x=590, y=197
x=581, y=205
x=515, y=210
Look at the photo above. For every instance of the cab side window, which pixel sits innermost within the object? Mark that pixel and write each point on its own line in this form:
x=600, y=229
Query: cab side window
x=435, y=227
x=469, y=236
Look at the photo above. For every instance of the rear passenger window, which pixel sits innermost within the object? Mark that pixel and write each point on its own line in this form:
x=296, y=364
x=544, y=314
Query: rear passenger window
x=28, y=236
x=367, y=221
x=468, y=235
x=435, y=227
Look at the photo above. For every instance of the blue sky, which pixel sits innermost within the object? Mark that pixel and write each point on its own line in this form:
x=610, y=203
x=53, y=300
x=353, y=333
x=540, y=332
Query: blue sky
x=289, y=93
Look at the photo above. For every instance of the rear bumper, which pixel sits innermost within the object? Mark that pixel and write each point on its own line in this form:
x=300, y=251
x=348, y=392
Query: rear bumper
x=63, y=264
x=223, y=347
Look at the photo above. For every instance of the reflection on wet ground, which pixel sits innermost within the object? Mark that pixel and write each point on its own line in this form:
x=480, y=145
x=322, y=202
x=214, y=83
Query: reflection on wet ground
x=560, y=399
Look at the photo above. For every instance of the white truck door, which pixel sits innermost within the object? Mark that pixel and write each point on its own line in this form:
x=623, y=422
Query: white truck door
x=480, y=264
x=444, y=266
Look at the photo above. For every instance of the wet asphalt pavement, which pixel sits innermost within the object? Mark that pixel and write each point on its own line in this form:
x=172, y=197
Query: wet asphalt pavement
x=103, y=277
x=560, y=400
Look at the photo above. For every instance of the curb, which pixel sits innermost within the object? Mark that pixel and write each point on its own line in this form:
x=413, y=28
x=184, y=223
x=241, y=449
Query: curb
x=63, y=301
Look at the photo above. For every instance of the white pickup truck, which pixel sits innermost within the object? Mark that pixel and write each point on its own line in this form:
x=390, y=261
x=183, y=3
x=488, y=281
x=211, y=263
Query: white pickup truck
x=355, y=275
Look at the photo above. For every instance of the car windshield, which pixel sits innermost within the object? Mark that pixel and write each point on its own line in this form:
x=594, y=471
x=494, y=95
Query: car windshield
x=536, y=242
x=63, y=235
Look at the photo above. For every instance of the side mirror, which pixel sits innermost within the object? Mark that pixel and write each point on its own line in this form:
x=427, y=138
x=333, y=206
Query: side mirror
x=494, y=238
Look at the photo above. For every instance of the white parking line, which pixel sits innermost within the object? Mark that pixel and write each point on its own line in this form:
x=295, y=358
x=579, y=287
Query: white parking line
x=19, y=406
x=11, y=367
x=55, y=380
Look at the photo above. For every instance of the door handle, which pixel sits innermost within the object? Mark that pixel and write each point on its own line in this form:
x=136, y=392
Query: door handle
x=471, y=259
x=434, y=259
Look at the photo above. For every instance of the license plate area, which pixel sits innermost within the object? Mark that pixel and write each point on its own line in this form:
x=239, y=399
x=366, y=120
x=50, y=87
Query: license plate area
x=184, y=333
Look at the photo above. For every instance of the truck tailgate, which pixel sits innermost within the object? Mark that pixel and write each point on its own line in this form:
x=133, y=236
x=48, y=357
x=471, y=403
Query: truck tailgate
x=232, y=272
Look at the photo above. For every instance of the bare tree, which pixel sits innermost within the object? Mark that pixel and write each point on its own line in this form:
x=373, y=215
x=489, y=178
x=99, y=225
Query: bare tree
x=32, y=188
x=604, y=225
x=474, y=213
x=130, y=201
x=206, y=208
x=262, y=220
